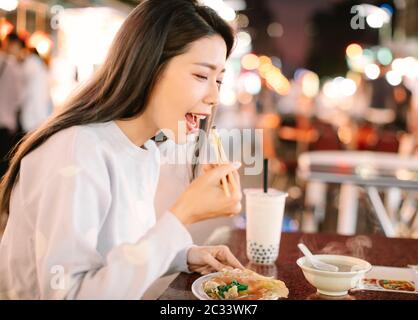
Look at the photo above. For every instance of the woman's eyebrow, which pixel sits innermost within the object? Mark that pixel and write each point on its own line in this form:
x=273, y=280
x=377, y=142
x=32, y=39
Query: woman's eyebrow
x=208, y=65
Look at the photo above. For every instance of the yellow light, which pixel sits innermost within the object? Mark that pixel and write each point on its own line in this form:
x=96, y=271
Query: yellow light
x=5, y=28
x=264, y=69
x=345, y=134
x=284, y=87
x=264, y=60
x=250, y=61
x=310, y=84
x=41, y=42
x=354, y=50
x=273, y=77
x=277, y=81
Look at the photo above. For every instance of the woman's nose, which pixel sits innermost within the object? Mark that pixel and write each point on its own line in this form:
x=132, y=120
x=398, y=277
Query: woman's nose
x=212, y=98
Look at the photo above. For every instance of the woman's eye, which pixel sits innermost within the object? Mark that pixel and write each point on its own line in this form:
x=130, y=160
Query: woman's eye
x=201, y=77
x=219, y=82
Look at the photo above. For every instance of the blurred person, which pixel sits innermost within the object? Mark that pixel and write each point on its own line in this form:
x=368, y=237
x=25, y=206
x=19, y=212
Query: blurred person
x=10, y=96
x=381, y=108
x=402, y=96
x=14, y=45
x=79, y=191
x=36, y=103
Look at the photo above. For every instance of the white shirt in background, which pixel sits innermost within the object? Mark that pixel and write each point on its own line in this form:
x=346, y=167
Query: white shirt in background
x=10, y=91
x=37, y=104
x=82, y=223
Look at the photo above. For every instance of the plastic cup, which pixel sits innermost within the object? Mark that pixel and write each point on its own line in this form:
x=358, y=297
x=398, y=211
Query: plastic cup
x=264, y=217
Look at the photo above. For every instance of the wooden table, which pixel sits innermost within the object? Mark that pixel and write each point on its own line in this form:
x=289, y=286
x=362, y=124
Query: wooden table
x=384, y=251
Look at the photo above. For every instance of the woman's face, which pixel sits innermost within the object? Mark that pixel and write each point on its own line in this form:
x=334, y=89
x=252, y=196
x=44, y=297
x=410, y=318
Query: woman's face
x=188, y=88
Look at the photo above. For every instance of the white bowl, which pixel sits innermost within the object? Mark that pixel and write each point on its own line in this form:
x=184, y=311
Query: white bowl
x=334, y=283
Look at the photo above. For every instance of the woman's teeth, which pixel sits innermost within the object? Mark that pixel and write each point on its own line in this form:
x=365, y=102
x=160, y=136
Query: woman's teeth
x=192, y=120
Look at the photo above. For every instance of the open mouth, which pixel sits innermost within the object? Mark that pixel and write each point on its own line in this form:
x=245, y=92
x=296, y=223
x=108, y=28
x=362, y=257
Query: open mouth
x=193, y=121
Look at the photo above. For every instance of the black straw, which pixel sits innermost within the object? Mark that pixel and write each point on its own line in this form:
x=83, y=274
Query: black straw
x=265, y=174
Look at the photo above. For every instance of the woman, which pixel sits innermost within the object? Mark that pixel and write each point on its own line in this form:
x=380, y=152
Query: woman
x=79, y=190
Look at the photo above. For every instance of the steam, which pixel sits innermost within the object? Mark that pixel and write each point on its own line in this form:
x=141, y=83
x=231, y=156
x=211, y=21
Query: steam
x=355, y=247
x=359, y=246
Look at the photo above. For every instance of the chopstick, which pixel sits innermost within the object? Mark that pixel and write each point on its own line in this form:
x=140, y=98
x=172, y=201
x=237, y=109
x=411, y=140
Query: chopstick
x=222, y=158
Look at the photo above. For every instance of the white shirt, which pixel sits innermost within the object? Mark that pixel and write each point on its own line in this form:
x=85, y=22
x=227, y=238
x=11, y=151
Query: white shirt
x=82, y=220
x=37, y=104
x=10, y=91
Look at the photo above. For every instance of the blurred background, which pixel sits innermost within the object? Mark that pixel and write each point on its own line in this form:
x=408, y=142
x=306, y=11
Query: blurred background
x=315, y=75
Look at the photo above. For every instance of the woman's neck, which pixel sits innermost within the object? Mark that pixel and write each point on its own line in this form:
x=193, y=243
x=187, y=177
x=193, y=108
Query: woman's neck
x=138, y=130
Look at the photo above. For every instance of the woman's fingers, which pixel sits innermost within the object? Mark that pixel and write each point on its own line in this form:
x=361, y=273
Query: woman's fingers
x=213, y=262
x=227, y=256
x=222, y=170
x=237, y=186
x=208, y=166
x=206, y=270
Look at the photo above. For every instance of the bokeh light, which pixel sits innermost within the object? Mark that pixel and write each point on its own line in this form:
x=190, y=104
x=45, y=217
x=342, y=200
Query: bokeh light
x=250, y=61
x=372, y=71
x=384, y=56
x=393, y=77
x=354, y=50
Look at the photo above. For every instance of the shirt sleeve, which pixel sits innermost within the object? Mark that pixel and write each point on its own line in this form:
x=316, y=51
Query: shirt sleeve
x=72, y=208
x=179, y=264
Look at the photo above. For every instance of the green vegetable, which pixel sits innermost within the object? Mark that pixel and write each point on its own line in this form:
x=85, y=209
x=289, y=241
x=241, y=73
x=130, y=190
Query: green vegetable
x=223, y=289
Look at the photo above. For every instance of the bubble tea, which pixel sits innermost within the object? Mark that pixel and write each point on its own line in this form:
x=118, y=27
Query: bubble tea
x=264, y=216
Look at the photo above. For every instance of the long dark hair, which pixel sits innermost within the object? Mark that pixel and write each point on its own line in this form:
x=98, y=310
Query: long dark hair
x=153, y=33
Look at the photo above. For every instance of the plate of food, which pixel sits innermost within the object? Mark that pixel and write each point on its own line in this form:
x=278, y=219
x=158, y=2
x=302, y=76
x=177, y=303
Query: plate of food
x=237, y=284
x=396, y=285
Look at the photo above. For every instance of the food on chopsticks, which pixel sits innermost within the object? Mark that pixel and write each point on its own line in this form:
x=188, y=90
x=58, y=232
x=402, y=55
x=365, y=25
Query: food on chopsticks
x=237, y=284
x=220, y=159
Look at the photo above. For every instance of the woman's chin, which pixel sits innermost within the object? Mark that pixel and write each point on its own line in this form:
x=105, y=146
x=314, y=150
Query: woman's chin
x=182, y=135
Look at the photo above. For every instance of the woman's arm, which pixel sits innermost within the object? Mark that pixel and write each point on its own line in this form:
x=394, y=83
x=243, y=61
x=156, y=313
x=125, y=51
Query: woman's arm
x=72, y=209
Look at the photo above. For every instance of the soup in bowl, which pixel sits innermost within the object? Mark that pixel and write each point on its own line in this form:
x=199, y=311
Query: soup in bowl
x=350, y=271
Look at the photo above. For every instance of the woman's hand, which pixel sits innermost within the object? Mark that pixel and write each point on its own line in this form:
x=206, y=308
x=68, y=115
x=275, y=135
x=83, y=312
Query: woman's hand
x=211, y=258
x=205, y=198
